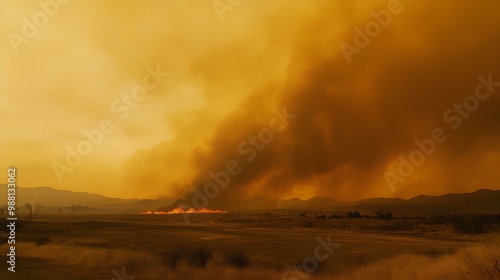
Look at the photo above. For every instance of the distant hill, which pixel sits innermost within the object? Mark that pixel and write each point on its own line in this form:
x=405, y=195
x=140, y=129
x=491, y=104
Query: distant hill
x=53, y=198
x=480, y=201
x=259, y=203
x=48, y=197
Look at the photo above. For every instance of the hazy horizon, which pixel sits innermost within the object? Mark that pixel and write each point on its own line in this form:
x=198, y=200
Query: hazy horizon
x=307, y=198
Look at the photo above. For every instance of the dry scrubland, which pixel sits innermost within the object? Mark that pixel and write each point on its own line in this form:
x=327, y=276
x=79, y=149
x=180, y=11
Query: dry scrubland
x=249, y=246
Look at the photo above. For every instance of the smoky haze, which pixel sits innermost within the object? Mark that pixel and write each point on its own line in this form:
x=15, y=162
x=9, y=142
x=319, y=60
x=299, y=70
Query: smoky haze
x=353, y=120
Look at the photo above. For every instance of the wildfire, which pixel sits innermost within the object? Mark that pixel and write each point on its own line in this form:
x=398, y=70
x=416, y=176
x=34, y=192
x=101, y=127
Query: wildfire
x=180, y=210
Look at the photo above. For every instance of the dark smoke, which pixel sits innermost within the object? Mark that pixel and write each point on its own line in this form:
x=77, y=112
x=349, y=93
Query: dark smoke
x=354, y=119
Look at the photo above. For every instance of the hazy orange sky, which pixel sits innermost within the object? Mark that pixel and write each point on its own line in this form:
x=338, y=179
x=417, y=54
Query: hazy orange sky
x=229, y=65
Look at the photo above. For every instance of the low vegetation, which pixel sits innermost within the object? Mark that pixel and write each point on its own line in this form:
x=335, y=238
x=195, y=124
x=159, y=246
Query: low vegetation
x=476, y=262
x=473, y=263
x=268, y=244
x=199, y=257
x=476, y=223
x=237, y=259
x=171, y=259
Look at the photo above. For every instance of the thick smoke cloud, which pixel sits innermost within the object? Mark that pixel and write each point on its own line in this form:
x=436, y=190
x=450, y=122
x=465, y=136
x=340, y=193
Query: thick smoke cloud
x=353, y=120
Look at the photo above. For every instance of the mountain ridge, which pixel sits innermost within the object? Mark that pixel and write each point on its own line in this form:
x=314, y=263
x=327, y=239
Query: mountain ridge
x=481, y=200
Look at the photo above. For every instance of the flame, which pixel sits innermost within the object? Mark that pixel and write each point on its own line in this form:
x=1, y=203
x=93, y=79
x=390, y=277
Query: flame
x=181, y=210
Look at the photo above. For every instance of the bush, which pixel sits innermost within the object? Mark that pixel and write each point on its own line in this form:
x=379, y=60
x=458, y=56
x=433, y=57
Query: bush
x=475, y=223
x=356, y=214
x=43, y=240
x=303, y=215
x=237, y=259
x=333, y=216
x=381, y=215
x=389, y=215
x=172, y=259
x=199, y=257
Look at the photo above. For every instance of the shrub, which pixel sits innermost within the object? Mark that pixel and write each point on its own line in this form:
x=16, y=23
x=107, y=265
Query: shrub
x=303, y=215
x=172, y=259
x=356, y=214
x=333, y=216
x=237, y=259
x=475, y=223
x=199, y=257
x=381, y=215
x=389, y=215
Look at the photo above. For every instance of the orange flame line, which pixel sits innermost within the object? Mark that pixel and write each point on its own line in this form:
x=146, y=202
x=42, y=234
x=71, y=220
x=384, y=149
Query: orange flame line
x=180, y=210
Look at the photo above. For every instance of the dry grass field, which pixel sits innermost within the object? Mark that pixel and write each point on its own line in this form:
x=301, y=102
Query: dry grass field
x=249, y=246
